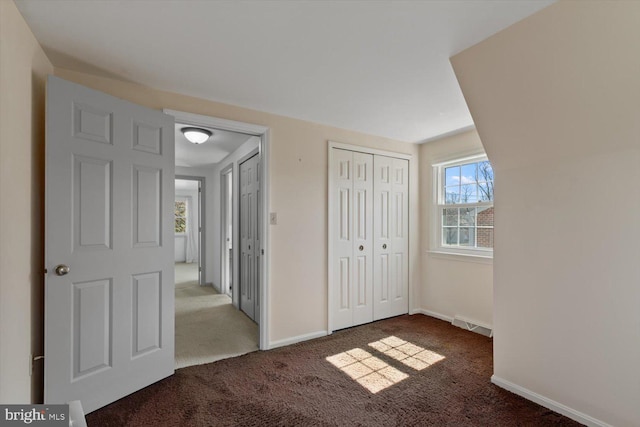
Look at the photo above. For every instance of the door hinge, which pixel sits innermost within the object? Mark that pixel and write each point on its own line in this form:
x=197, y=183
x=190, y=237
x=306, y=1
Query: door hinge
x=32, y=360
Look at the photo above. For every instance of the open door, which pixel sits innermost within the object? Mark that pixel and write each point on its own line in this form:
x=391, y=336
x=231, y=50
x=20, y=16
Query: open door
x=109, y=298
x=249, y=237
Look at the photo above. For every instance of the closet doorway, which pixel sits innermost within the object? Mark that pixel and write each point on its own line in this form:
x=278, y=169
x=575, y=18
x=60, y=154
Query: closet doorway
x=368, y=235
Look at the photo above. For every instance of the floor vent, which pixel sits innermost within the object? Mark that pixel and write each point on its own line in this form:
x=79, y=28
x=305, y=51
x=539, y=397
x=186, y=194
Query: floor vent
x=473, y=326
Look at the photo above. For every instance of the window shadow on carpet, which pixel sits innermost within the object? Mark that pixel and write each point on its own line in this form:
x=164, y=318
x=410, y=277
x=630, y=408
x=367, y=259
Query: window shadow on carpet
x=375, y=374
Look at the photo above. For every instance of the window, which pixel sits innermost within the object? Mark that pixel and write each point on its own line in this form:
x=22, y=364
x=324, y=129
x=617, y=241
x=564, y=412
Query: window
x=180, y=216
x=465, y=206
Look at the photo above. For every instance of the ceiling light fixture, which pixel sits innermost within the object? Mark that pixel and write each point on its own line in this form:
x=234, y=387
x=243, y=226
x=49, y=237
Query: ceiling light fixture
x=196, y=135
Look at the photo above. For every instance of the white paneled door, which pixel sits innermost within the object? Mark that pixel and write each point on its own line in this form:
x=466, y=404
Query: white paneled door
x=391, y=228
x=109, y=301
x=249, y=236
x=352, y=238
x=369, y=268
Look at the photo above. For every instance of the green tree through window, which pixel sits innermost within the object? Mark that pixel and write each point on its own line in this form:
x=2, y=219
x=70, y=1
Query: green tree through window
x=180, y=216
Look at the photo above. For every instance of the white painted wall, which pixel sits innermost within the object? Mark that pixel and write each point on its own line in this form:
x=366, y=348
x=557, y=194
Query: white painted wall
x=452, y=284
x=23, y=70
x=556, y=101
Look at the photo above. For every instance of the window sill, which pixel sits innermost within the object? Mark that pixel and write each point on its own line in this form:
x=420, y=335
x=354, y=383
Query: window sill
x=464, y=257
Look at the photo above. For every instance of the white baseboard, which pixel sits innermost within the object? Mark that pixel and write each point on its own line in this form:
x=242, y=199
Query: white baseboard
x=432, y=314
x=548, y=403
x=296, y=339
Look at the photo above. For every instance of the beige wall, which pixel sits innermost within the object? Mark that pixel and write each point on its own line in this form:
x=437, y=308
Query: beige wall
x=451, y=284
x=556, y=101
x=23, y=67
x=298, y=191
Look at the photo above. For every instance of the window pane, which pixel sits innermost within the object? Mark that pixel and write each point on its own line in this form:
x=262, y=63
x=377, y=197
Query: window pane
x=467, y=237
x=485, y=217
x=485, y=172
x=181, y=207
x=452, y=195
x=450, y=236
x=468, y=173
x=181, y=225
x=468, y=194
x=450, y=217
x=485, y=191
x=467, y=217
x=485, y=237
x=452, y=176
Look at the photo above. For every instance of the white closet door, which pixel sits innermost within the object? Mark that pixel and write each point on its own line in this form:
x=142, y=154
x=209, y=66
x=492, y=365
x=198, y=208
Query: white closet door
x=342, y=238
x=362, y=290
x=391, y=247
x=352, y=272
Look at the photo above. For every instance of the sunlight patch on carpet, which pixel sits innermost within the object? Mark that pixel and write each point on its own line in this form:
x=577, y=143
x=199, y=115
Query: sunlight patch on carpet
x=369, y=371
x=407, y=353
x=375, y=374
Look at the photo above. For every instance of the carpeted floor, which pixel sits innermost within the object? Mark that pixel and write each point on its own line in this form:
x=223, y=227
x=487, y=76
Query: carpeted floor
x=209, y=327
x=186, y=274
x=405, y=371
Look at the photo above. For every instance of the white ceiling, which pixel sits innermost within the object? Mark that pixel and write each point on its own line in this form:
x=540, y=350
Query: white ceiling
x=187, y=185
x=379, y=67
x=220, y=145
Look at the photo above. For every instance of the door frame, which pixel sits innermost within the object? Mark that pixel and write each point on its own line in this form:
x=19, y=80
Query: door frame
x=202, y=214
x=262, y=132
x=360, y=149
x=224, y=196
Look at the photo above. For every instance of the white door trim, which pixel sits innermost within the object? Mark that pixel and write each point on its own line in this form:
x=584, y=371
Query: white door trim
x=367, y=150
x=224, y=195
x=358, y=148
x=263, y=133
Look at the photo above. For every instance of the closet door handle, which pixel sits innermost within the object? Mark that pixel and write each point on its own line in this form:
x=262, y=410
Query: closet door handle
x=384, y=246
x=361, y=248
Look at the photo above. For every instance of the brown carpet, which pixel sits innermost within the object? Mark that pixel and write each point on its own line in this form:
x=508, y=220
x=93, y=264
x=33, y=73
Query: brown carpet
x=405, y=371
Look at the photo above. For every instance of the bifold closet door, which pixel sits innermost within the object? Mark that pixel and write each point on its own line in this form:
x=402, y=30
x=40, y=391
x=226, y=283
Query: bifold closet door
x=352, y=237
x=391, y=242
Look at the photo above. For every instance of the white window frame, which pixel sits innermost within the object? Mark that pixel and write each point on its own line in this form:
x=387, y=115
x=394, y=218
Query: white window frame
x=437, y=245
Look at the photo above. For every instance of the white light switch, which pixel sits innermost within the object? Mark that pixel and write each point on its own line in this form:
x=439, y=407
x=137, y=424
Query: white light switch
x=273, y=218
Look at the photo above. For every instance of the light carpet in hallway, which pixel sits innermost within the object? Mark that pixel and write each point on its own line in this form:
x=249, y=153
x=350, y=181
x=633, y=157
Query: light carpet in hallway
x=209, y=327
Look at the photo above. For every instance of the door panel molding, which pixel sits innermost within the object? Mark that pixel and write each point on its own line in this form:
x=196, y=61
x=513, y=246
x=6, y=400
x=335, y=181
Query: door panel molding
x=95, y=243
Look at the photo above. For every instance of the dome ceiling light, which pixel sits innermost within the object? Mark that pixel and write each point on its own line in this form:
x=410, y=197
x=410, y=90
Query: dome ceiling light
x=196, y=135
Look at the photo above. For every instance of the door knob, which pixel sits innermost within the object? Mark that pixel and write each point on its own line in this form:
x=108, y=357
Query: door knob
x=62, y=269
x=361, y=248
x=384, y=246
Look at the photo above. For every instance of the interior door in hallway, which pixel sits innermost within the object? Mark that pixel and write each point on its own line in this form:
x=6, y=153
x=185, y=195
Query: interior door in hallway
x=109, y=251
x=249, y=240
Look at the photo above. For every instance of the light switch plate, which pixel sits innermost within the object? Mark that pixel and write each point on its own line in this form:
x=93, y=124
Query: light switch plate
x=273, y=218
